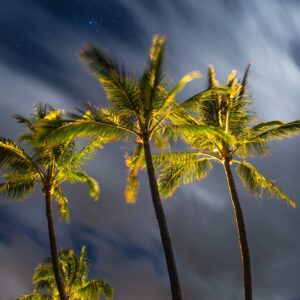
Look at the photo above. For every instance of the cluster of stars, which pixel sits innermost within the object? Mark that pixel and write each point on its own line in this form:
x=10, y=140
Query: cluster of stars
x=93, y=23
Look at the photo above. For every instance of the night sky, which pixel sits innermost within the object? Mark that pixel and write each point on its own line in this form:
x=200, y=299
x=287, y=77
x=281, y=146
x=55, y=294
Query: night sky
x=39, y=46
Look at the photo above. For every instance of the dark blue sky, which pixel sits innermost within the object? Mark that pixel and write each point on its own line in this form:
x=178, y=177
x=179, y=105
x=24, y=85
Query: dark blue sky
x=39, y=46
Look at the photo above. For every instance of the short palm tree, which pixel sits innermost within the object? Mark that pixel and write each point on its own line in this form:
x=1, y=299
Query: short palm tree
x=75, y=272
x=140, y=108
x=47, y=166
x=223, y=129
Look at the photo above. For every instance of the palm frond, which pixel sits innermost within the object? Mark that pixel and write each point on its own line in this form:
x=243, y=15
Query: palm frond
x=182, y=171
x=40, y=110
x=266, y=125
x=16, y=188
x=86, y=153
x=23, y=120
x=75, y=271
x=120, y=88
x=161, y=141
x=257, y=183
x=57, y=132
x=35, y=297
x=190, y=130
x=82, y=265
x=231, y=78
x=94, y=288
x=178, y=87
x=63, y=203
x=244, y=82
x=192, y=104
x=275, y=130
x=155, y=69
x=13, y=157
x=170, y=158
x=134, y=164
x=207, y=105
x=94, y=188
x=251, y=149
x=212, y=81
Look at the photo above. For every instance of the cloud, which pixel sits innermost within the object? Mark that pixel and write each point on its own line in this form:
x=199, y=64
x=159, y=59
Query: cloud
x=38, y=62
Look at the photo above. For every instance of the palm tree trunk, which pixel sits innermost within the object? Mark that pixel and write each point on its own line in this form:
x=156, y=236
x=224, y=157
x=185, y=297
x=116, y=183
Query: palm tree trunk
x=162, y=222
x=241, y=232
x=53, y=247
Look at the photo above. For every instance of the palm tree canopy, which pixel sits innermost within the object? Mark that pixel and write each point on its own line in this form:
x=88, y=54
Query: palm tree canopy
x=48, y=166
x=222, y=126
x=75, y=274
x=141, y=108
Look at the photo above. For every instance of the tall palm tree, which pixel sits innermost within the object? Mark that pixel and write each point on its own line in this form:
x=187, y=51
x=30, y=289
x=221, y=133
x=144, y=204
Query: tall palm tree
x=75, y=272
x=140, y=108
x=49, y=167
x=223, y=129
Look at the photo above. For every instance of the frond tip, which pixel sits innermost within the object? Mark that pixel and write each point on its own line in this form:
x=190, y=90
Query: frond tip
x=134, y=164
x=256, y=182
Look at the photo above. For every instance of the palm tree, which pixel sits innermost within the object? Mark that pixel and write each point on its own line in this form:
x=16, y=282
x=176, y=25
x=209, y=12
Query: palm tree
x=140, y=108
x=75, y=273
x=48, y=167
x=223, y=129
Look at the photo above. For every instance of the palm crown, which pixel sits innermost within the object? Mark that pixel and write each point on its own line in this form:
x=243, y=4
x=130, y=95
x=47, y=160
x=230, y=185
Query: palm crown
x=75, y=272
x=223, y=127
x=47, y=166
x=139, y=108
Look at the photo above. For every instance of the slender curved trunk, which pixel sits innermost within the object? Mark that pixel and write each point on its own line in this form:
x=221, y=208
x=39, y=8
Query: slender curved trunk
x=163, y=227
x=53, y=247
x=241, y=232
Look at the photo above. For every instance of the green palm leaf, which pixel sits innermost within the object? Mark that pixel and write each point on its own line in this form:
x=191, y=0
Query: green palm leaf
x=189, y=131
x=87, y=152
x=118, y=85
x=134, y=164
x=94, y=288
x=75, y=272
x=94, y=188
x=276, y=130
x=256, y=182
x=180, y=168
x=18, y=186
x=54, y=132
x=35, y=297
x=13, y=157
x=63, y=203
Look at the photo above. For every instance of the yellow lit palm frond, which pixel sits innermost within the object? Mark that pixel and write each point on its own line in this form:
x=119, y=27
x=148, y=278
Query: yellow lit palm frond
x=134, y=164
x=36, y=297
x=62, y=201
x=275, y=130
x=257, y=183
x=75, y=272
x=17, y=187
x=180, y=168
x=47, y=166
x=117, y=83
x=13, y=157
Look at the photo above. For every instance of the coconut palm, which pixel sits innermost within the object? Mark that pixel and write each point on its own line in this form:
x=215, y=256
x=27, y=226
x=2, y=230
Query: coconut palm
x=75, y=272
x=140, y=108
x=223, y=129
x=47, y=166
